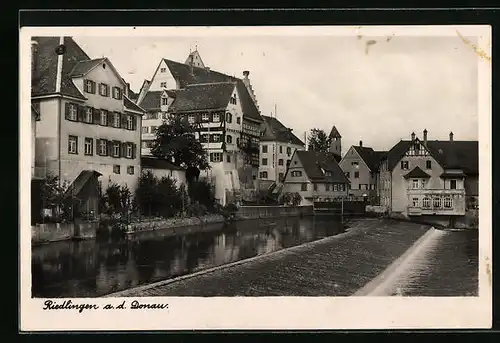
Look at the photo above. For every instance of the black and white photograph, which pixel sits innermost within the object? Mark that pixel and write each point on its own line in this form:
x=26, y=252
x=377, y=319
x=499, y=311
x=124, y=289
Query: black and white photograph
x=196, y=165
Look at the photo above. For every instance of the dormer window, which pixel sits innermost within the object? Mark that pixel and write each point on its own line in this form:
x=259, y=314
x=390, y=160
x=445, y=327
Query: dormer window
x=205, y=117
x=216, y=118
x=164, y=101
x=233, y=100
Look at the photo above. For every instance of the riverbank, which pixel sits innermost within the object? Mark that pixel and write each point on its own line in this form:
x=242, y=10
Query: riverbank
x=334, y=266
x=54, y=232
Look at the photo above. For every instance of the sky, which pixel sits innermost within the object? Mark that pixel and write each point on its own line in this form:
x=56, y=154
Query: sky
x=374, y=89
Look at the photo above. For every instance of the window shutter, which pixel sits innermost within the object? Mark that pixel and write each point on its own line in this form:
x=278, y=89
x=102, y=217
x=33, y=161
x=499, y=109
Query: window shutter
x=134, y=123
x=66, y=110
x=123, y=149
x=120, y=93
x=401, y=164
x=123, y=118
x=80, y=113
x=92, y=87
x=98, y=146
x=110, y=119
x=109, y=148
x=134, y=150
x=97, y=115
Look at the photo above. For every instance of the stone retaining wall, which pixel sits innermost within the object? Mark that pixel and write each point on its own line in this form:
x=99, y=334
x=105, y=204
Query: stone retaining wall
x=53, y=232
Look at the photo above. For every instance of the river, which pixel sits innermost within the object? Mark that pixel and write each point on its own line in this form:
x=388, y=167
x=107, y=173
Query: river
x=94, y=267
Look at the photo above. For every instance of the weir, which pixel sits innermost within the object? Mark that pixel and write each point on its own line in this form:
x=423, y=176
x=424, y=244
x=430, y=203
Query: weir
x=392, y=280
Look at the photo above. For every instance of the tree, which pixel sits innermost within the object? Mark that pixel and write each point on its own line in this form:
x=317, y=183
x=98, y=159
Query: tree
x=318, y=141
x=175, y=141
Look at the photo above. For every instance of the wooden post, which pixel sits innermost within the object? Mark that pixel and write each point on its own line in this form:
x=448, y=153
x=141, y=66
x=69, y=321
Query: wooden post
x=342, y=209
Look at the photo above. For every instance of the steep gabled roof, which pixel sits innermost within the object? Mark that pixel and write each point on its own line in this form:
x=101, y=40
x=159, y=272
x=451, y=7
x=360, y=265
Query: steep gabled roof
x=151, y=101
x=397, y=151
x=449, y=154
x=187, y=75
x=371, y=158
x=45, y=75
x=209, y=96
x=456, y=154
x=82, y=68
x=129, y=104
x=313, y=163
x=274, y=130
x=334, y=133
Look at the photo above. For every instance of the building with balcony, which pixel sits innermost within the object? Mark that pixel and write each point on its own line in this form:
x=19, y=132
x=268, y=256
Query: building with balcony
x=315, y=176
x=430, y=177
x=88, y=126
x=170, y=77
x=277, y=146
x=361, y=166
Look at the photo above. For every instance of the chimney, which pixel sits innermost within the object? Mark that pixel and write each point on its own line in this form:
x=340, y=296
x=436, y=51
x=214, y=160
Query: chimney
x=360, y=144
x=451, y=136
x=425, y=137
x=34, y=51
x=245, y=74
x=413, y=136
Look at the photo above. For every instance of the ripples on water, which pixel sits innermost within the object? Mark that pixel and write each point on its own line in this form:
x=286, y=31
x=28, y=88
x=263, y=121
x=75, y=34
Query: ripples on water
x=95, y=268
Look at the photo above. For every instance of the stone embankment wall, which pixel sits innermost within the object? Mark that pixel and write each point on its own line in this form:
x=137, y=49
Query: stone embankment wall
x=53, y=232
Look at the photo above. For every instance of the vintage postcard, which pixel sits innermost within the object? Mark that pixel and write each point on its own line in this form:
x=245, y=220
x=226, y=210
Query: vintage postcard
x=325, y=177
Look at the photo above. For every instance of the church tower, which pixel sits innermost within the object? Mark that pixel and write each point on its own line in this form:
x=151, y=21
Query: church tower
x=335, y=143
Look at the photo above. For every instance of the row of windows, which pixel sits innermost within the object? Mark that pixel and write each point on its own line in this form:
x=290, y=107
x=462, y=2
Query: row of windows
x=437, y=202
x=264, y=175
x=366, y=187
x=421, y=183
x=90, y=87
x=252, y=129
x=219, y=157
x=102, y=147
x=156, y=115
x=117, y=169
x=335, y=187
x=288, y=149
x=280, y=162
x=405, y=165
x=213, y=118
x=348, y=175
x=90, y=115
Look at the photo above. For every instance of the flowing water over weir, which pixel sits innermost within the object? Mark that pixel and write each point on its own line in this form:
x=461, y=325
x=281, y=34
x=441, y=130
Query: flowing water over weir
x=440, y=263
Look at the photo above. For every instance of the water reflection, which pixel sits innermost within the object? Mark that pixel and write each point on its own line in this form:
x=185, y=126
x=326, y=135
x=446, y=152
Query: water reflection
x=94, y=268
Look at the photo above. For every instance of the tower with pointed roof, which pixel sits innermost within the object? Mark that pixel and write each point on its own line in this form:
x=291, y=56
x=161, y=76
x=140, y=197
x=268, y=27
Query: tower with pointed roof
x=335, y=142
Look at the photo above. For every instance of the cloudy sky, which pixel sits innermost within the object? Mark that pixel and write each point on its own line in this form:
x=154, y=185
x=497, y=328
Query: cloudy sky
x=373, y=89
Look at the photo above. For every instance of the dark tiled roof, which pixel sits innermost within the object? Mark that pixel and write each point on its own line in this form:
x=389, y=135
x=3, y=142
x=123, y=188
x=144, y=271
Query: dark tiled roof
x=129, y=104
x=44, y=78
x=274, y=130
x=208, y=96
x=313, y=162
x=449, y=154
x=157, y=163
x=334, y=133
x=371, y=158
x=80, y=181
x=416, y=173
x=151, y=101
x=187, y=75
x=83, y=67
x=456, y=154
x=452, y=175
x=397, y=151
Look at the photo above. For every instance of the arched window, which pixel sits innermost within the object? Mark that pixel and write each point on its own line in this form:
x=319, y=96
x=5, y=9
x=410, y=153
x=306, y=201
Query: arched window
x=229, y=117
x=229, y=139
